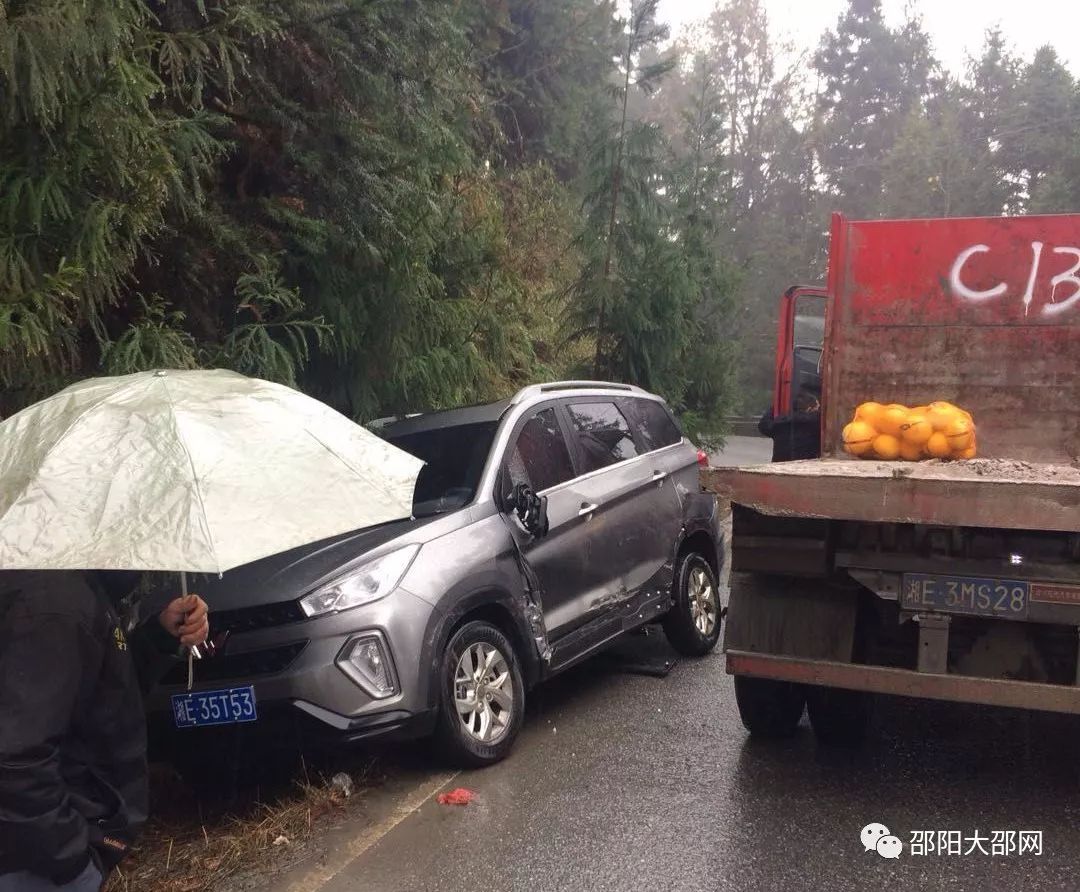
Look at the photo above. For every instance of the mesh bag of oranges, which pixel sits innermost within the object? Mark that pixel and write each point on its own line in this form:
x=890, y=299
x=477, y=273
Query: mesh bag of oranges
x=893, y=432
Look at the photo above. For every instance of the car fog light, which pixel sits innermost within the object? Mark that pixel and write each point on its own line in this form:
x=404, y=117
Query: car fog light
x=365, y=660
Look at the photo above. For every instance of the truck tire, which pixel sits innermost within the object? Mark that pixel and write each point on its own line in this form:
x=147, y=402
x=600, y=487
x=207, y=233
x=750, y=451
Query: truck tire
x=769, y=709
x=479, y=665
x=692, y=625
x=838, y=717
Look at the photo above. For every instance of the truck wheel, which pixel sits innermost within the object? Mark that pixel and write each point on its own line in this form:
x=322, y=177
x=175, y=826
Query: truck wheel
x=482, y=700
x=838, y=717
x=692, y=625
x=769, y=709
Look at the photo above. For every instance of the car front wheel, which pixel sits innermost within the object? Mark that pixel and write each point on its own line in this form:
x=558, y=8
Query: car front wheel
x=482, y=699
x=693, y=623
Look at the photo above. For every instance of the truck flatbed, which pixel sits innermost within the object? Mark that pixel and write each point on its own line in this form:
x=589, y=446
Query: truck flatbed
x=951, y=580
x=998, y=493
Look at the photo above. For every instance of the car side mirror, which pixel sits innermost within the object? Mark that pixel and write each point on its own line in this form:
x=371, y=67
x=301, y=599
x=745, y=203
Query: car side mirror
x=530, y=508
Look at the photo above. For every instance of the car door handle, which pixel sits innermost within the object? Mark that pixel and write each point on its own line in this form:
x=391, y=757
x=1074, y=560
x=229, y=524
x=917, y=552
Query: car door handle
x=587, y=508
x=658, y=476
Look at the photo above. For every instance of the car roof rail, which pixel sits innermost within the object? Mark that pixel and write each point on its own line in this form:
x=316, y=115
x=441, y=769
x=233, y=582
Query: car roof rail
x=554, y=386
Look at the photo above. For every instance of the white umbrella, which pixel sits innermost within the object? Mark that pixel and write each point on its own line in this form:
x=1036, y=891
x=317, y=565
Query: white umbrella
x=188, y=471
x=197, y=471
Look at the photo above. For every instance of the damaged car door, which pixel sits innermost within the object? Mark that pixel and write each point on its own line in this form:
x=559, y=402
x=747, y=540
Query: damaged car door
x=539, y=458
x=635, y=513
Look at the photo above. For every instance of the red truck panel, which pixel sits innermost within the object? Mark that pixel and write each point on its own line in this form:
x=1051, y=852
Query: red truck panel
x=978, y=493
x=984, y=312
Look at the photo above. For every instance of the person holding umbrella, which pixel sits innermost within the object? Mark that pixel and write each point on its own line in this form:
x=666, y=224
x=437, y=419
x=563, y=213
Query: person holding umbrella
x=73, y=773
x=185, y=472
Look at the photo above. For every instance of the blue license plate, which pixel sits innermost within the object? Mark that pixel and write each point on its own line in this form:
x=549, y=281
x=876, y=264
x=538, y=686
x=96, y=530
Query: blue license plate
x=196, y=709
x=978, y=596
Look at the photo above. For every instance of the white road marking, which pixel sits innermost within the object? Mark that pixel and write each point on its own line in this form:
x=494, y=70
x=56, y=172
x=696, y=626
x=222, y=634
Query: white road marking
x=342, y=857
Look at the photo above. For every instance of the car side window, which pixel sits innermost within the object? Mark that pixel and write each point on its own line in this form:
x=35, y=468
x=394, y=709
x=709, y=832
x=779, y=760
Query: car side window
x=653, y=423
x=540, y=458
x=604, y=434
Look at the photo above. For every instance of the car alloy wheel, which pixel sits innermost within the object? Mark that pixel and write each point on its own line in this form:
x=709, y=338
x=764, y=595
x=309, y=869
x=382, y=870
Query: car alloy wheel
x=484, y=692
x=704, y=601
x=692, y=625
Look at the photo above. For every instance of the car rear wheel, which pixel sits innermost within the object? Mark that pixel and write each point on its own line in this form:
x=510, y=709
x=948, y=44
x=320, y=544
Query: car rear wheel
x=693, y=623
x=482, y=696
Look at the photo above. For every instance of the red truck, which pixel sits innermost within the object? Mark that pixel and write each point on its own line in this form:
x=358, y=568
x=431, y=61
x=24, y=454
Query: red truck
x=946, y=580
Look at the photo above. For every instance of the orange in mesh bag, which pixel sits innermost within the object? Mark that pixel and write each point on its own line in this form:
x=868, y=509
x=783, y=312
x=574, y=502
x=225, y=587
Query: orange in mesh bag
x=890, y=432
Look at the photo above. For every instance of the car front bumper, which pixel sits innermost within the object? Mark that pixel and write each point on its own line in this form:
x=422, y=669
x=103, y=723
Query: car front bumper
x=299, y=684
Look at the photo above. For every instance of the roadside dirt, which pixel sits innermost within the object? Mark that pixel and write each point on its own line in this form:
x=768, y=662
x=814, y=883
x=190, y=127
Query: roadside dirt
x=193, y=845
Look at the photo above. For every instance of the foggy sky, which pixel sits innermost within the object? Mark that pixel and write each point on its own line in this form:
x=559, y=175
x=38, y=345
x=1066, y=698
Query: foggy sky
x=956, y=27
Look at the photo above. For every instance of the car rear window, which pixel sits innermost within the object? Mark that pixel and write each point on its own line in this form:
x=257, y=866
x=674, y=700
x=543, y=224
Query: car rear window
x=540, y=458
x=653, y=423
x=604, y=434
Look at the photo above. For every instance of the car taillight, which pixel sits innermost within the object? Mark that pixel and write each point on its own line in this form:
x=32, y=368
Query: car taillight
x=703, y=458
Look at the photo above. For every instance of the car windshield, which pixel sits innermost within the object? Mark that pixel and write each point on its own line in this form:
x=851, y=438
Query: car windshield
x=454, y=459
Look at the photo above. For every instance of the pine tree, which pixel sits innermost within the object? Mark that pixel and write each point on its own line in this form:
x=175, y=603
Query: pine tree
x=751, y=170
x=103, y=138
x=1039, y=136
x=299, y=190
x=653, y=292
x=872, y=77
x=629, y=143
x=546, y=65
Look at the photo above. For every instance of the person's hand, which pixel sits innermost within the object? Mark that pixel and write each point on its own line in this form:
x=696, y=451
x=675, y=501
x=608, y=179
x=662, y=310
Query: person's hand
x=186, y=618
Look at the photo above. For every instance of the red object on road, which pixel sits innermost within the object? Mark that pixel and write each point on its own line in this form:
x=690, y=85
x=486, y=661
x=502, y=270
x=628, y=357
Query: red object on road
x=460, y=796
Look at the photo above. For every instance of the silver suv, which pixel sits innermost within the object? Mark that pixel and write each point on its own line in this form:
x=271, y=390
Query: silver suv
x=544, y=526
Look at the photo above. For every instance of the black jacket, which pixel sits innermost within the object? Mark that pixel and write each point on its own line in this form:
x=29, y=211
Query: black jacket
x=73, y=778
x=795, y=436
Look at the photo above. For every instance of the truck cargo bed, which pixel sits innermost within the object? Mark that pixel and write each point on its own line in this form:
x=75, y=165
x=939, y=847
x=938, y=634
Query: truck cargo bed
x=977, y=493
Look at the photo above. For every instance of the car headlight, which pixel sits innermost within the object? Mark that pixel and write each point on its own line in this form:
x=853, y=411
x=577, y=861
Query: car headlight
x=362, y=585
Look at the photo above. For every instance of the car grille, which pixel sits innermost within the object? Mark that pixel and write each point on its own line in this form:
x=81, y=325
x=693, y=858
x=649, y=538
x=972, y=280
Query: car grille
x=248, y=619
x=238, y=666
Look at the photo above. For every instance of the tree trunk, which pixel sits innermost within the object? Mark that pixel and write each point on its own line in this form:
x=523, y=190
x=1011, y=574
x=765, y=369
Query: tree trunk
x=616, y=182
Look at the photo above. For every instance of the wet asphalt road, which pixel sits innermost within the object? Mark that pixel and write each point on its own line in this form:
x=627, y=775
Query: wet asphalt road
x=622, y=781
x=742, y=451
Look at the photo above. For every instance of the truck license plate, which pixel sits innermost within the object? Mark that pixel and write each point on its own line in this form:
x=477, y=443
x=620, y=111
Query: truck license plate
x=1001, y=598
x=199, y=708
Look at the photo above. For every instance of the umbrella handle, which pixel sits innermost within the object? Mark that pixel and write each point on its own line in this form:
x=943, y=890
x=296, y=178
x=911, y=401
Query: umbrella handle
x=190, y=653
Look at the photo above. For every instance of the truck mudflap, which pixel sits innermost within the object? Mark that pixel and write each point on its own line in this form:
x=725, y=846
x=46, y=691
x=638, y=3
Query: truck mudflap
x=906, y=682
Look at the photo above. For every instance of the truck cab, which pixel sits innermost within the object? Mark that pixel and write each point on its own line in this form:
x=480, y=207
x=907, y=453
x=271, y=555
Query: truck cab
x=950, y=580
x=793, y=421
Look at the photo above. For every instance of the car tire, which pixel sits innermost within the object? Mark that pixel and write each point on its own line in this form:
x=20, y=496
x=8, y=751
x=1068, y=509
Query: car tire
x=838, y=717
x=769, y=709
x=484, y=735
x=692, y=625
